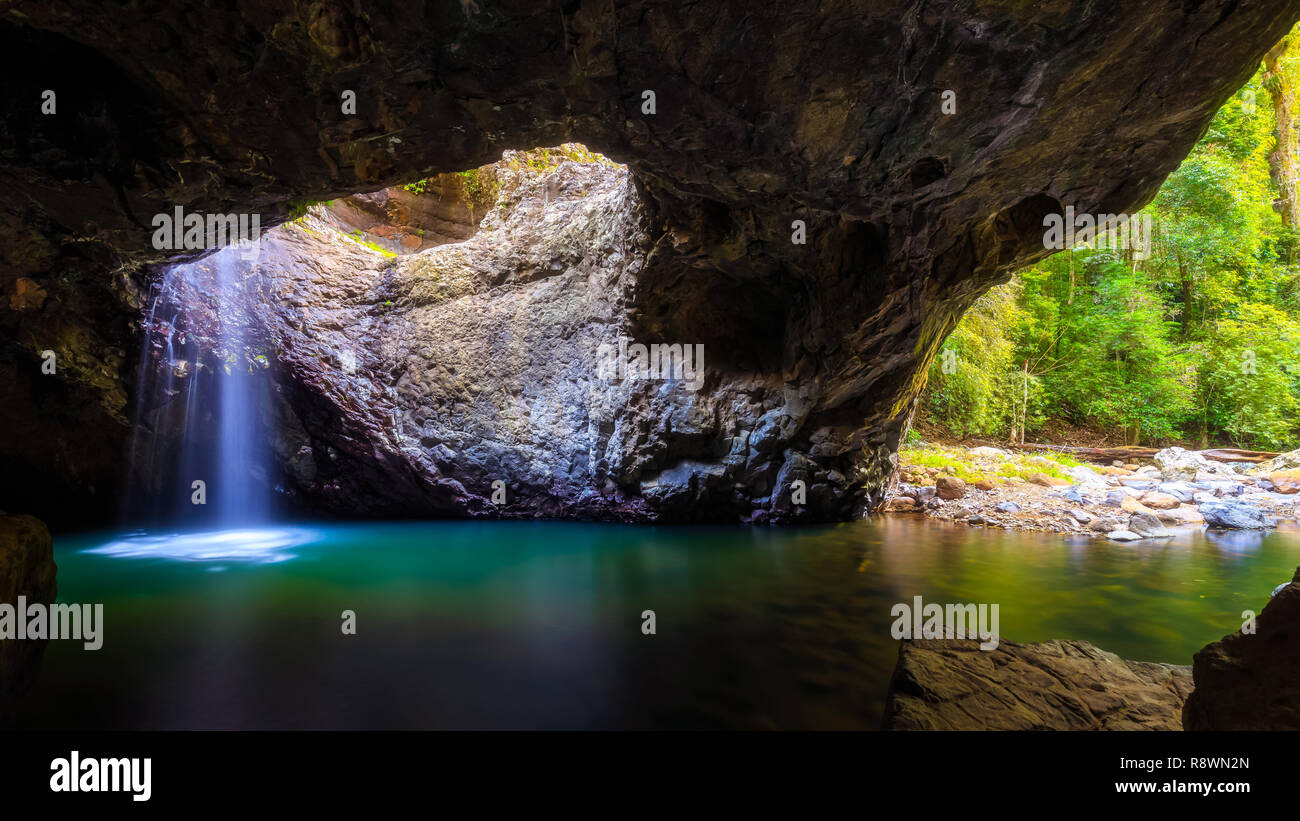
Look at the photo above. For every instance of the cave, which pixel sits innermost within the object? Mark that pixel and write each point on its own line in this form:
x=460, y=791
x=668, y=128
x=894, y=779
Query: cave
x=284, y=278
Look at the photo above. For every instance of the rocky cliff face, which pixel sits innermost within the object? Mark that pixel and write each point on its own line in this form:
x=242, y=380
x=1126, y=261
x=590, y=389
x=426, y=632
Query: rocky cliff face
x=734, y=121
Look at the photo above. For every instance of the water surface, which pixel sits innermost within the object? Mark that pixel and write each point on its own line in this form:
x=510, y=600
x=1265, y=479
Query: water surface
x=538, y=625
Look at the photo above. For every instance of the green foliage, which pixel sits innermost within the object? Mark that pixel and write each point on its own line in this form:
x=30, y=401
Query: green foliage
x=974, y=396
x=1199, y=341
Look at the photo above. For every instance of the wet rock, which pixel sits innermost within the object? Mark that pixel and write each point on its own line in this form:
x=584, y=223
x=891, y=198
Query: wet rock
x=1234, y=514
x=950, y=487
x=1055, y=685
x=1251, y=681
x=1123, y=536
x=26, y=569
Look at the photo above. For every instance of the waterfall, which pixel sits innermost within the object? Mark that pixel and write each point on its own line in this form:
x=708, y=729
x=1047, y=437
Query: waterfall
x=201, y=452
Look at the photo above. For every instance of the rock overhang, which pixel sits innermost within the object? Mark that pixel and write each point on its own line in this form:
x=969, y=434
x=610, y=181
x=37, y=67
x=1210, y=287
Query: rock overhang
x=761, y=116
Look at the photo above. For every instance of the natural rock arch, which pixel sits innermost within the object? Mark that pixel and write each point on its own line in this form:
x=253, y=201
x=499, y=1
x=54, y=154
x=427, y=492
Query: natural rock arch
x=763, y=115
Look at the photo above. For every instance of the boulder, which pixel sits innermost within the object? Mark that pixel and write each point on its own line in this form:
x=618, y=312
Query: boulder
x=26, y=569
x=1286, y=481
x=1177, y=463
x=1286, y=461
x=1234, y=515
x=1160, y=501
x=1105, y=524
x=1181, y=515
x=950, y=684
x=1132, y=505
x=1148, y=526
x=950, y=487
x=1251, y=681
x=1123, y=536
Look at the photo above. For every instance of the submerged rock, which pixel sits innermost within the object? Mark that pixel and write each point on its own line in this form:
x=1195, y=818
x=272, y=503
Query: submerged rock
x=1054, y=685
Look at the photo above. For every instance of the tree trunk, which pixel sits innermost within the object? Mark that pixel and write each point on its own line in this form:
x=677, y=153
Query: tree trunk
x=1282, y=162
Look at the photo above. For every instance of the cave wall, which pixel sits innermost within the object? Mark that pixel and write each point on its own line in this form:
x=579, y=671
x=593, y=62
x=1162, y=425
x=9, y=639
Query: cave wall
x=828, y=113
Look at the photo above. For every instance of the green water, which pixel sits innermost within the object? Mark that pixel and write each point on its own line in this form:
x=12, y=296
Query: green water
x=538, y=625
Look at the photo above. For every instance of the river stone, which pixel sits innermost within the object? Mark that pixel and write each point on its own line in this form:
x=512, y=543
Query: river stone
x=1160, y=501
x=1105, y=524
x=1043, y=480
x=1181, y=491
x=1286, y=481
x=1148, y=526
x=950, y=684
x=950, y=487
x=1234, y=514
x=1008, y=507
x=1123, y=536
x=1251, y=681
x=1181, y=515
x=26, y=569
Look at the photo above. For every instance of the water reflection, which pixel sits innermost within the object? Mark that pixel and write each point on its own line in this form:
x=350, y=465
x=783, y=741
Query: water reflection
x=249, y=545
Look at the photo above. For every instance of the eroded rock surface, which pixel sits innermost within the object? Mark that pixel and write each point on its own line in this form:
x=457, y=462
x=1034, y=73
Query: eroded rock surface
x=1251, y=682
x=1054, y=685
x=764, y=114
x=26, y=569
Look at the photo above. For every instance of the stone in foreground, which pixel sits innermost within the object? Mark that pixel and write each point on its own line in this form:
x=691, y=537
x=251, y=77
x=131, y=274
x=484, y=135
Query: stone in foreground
x=26, y=569
x=951, y=684
x=1252, y=682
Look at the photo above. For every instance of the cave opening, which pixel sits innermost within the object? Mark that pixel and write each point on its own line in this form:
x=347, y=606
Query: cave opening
x=239, y=418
